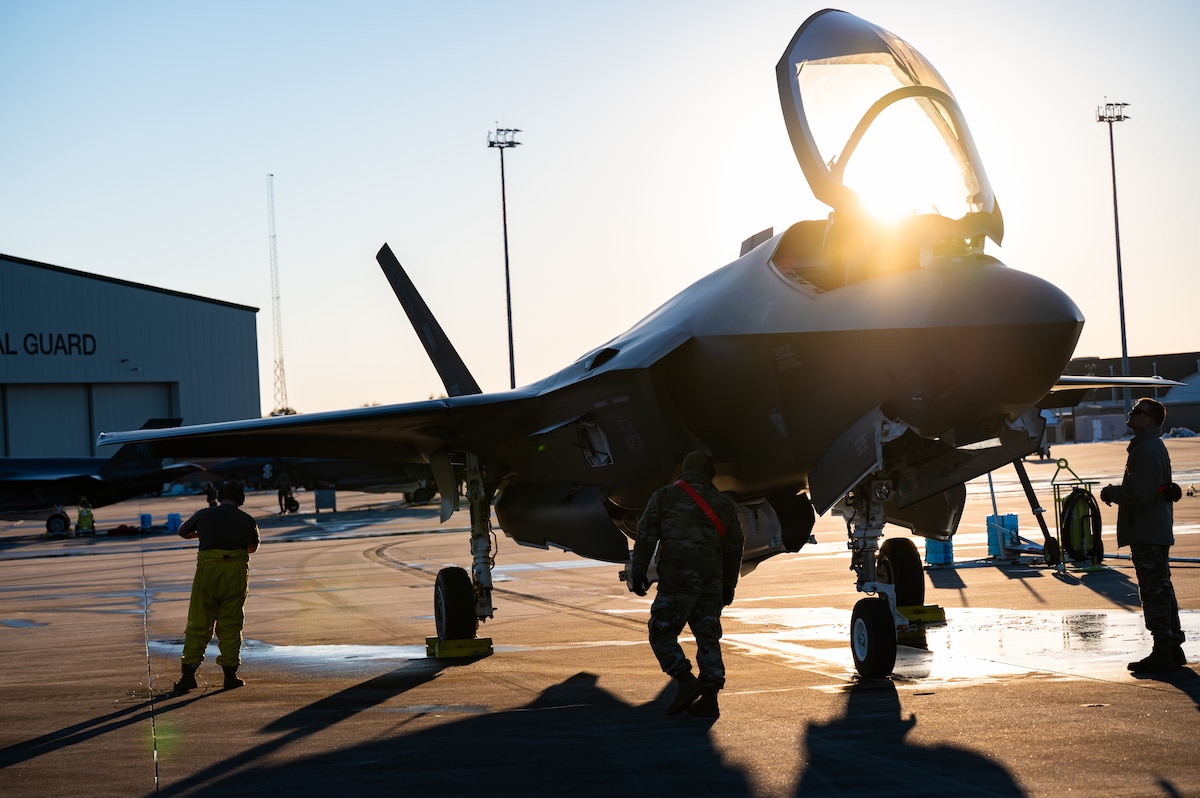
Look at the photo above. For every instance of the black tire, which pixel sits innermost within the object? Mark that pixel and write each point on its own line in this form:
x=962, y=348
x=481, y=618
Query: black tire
x=293, y=505
x=422, y=495
x=873, y=637
x=899, y=564
x=1051, y=553
x=58, y=524
x=454, y=605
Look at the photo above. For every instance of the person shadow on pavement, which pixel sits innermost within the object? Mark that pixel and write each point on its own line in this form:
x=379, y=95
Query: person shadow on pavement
x=864, y=753
x=574, y=738
x=1185, y=680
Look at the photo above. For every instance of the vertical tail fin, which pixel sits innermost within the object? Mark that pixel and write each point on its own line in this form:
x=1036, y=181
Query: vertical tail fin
x=445, y=358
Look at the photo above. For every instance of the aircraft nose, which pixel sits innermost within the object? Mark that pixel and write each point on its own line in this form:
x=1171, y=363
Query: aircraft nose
x=1005, y=335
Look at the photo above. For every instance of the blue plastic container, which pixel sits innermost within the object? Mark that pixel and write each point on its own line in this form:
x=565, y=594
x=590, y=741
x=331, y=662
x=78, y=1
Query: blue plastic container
x=147, y=521
x=1001, y=534
x=173, y=522
x=939, y=552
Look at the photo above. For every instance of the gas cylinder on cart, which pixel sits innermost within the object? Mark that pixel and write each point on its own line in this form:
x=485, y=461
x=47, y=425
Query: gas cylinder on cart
x=86, y=524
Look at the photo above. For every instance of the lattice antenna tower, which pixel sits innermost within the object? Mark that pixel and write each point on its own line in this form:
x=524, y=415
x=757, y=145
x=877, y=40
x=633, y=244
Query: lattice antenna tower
x=281, y=402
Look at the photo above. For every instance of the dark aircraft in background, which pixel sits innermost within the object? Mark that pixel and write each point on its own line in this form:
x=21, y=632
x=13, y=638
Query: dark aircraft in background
x=414, y=480
x=861, y=364
x=36, y=485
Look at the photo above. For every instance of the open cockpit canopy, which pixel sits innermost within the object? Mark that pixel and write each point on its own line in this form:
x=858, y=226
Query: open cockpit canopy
x=878, y=132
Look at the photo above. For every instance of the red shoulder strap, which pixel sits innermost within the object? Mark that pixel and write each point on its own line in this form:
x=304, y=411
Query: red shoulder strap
x=699, y=500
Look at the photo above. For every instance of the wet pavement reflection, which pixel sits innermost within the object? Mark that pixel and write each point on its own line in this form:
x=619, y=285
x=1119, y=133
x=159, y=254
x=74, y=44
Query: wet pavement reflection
x=975, y=645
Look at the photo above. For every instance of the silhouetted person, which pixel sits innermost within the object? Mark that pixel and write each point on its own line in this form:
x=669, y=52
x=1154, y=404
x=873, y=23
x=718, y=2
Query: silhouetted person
x=698, y=537
x=284, y=486
x=1145, y=517
x=228, y=536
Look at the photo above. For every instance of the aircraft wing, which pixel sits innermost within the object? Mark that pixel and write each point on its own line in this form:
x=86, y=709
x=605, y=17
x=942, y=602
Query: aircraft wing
x=49, y=474
x=408, y=432
x=1070, y=390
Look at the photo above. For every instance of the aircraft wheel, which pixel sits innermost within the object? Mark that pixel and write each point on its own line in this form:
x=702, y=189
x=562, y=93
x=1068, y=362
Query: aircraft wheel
x=454, y=605
x=873, y=637
x=899, y=564
x=58, y=524
x=421, y=495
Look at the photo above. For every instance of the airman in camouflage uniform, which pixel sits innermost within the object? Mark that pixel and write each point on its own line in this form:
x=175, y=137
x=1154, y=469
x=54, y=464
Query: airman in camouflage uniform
x=1144, y=523
x=697, y=574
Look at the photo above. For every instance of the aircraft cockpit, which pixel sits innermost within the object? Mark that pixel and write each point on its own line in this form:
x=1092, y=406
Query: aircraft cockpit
x=882, y=141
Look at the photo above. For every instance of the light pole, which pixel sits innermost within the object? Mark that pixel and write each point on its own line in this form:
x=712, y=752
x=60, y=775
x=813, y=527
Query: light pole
x=503, y=138
x=1115, y=112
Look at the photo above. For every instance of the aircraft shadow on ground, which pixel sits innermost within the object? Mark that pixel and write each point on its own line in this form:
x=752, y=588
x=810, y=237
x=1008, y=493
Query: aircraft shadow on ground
x=864, y=753
x=575, y=738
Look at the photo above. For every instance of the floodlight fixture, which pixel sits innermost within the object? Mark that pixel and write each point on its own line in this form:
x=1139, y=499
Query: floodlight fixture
x=1110, y=113
x=503, y=138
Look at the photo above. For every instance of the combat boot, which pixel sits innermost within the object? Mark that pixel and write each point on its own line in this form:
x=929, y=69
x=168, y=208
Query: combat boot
x=1162, y=658
x=231, y=677
x=706, y=706
x=187, y=681
x=1178, y=655
x=688, y=691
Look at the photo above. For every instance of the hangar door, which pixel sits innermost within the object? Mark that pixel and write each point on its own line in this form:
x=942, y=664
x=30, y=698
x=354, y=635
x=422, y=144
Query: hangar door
x=47, y=421
x=127, y=406
x=63, y=420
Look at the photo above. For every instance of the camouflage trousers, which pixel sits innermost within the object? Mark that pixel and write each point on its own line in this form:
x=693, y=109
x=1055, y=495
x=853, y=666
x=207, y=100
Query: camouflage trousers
x=1161, y=611
x=702, y=614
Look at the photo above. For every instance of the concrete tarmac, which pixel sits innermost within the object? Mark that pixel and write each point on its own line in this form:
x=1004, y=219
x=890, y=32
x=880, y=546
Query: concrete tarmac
x=1024, y=691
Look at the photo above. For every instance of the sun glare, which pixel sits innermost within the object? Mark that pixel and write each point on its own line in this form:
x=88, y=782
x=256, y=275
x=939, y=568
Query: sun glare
x=902, y=165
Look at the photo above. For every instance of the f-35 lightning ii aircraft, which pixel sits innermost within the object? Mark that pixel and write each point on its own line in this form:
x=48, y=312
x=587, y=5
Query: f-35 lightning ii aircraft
x=414, y=480
x=864, y=367
x=40, y=485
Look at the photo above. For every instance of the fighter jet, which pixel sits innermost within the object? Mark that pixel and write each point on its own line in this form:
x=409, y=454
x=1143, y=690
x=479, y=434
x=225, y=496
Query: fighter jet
x=40, y=485
x=867, y=364
x=414, y=480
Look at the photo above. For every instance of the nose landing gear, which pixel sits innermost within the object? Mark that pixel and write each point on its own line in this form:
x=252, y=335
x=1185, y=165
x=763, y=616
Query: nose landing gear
x=891, y=575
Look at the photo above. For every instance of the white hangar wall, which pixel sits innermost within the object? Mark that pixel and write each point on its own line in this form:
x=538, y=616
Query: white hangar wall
x=82, y=354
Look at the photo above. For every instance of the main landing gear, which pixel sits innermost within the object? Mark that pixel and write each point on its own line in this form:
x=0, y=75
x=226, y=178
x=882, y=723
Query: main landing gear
x=891, y=575
x=58, y=524
x=462, y=600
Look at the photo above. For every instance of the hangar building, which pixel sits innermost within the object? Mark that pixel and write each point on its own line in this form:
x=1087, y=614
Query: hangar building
x=81, y=354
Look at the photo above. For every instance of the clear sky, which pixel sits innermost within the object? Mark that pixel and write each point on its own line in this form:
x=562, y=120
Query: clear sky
x=136, y=139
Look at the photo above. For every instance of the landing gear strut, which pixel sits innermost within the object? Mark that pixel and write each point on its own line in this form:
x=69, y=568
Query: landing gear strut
x=461, y=601
x=890, y=574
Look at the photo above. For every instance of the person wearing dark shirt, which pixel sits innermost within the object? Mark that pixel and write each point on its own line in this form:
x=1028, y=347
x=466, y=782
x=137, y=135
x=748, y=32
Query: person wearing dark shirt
x=1145, y=520
x=283, y=487
x=228, y=536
